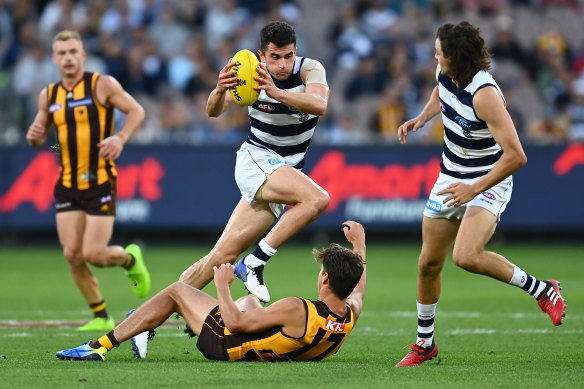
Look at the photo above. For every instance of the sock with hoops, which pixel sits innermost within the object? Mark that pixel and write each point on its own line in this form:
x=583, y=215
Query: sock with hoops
x=426, y=313
x=98, y=309
x=262, y=254
x=528, y=283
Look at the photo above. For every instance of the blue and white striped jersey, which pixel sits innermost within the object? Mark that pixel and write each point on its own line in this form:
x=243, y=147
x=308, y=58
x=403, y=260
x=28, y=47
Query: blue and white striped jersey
x=469, y=148
x=280, y=128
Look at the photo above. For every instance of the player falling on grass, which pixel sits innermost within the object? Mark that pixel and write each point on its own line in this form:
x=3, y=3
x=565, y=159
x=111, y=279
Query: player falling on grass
x=290, y=329
x=293, y=94
x=481, y=151
x=81, y=106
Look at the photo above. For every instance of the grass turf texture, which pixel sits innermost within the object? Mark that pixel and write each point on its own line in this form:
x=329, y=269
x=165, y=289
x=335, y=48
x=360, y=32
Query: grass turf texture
x=489, y=334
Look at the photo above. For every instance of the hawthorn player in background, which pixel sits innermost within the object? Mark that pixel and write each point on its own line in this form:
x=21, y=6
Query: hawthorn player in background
x=81, y=106
x=293, y=94
x=293, y=328
x=481, y=151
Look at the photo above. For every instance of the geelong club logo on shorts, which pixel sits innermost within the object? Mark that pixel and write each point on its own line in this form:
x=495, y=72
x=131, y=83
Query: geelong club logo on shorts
x=274, y=161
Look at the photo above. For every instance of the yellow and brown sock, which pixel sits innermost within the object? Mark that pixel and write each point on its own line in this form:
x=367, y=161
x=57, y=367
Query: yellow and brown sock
x=130, y=261
x=98, y=309
x=108, y=341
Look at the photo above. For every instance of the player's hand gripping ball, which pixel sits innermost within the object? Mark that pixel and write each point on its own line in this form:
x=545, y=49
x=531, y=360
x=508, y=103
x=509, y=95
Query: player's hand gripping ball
x=245, y=66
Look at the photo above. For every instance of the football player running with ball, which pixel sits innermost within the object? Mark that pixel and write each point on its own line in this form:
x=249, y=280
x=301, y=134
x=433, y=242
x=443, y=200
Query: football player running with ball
x=481, y=151
x=293, y=93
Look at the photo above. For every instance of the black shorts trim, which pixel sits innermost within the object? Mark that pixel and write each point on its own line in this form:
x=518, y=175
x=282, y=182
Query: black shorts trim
x=211, y=342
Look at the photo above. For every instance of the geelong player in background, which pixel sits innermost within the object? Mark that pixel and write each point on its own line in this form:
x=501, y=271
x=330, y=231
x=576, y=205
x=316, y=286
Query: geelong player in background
x=481, y=152
x=293, y=94
x=81, y=106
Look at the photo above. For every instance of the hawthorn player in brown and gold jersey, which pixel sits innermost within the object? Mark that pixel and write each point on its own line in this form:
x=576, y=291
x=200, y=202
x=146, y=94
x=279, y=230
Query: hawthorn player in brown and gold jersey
x=81, y=107
x=293, y=328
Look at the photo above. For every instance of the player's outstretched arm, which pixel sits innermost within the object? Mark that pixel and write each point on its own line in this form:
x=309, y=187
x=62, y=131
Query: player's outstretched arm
x=283, y=313
x=38, y=130
x=431, y=109
x=355, y=234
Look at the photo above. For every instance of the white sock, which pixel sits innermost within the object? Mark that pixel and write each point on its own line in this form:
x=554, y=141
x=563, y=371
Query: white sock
x=266, y=248
x=262, y=253
x=426, y=314
x=519, y=277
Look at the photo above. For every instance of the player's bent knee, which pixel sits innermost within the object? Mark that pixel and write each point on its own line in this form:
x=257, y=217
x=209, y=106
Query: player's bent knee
x=72, y=256
x=466, y=260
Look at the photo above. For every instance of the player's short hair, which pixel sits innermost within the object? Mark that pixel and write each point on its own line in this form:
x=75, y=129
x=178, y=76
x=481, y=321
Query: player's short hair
x=464, y=48
x=65, y=35
x=278, y=33
x=343, y=266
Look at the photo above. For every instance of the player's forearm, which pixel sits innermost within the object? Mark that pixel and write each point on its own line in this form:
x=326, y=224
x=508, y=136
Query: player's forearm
x=229, y=311
x=216, y=102
x=508, y=164
x=134, y=119
x=432, y=107
x=360, y=288
x=310, y=103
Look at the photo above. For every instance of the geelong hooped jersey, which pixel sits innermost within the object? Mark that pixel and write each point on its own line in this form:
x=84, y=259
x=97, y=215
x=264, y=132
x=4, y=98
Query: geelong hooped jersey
x=82, y=122
x=325, y=332
x=469, y=148
x=280, y=128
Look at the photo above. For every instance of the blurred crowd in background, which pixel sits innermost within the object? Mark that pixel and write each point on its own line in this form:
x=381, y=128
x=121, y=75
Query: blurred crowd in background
x=379, y=57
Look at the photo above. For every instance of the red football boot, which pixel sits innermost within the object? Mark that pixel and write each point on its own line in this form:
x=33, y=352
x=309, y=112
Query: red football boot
x=418, y=354
x=551, y=302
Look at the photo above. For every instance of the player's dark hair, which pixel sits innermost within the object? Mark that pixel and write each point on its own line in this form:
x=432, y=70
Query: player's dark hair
x=343, y=266
x=464, y=48
x=278, y=33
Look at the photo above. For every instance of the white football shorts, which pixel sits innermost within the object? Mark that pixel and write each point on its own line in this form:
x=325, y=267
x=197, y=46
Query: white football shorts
x=251, y=167
x=494, y=199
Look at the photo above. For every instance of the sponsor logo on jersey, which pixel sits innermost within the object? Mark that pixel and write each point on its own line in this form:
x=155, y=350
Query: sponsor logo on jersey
x=274, y=161
x=466, y=126
x=80, y=103
x=434, y=206
x=334, y=326
x=55, y=107
x=265, y=107
x=489, y=195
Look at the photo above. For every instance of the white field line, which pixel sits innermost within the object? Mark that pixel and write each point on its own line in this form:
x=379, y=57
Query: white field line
x=471, y=315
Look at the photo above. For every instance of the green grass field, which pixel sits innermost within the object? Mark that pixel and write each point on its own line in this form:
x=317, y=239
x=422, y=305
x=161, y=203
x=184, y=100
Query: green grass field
x=489, y=334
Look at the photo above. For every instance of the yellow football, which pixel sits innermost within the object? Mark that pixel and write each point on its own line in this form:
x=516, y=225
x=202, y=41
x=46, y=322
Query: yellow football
x=245, y=66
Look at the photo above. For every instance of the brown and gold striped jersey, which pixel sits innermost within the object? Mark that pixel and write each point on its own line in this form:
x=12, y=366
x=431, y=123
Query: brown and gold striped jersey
x=325, y=332
x=82, y=122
